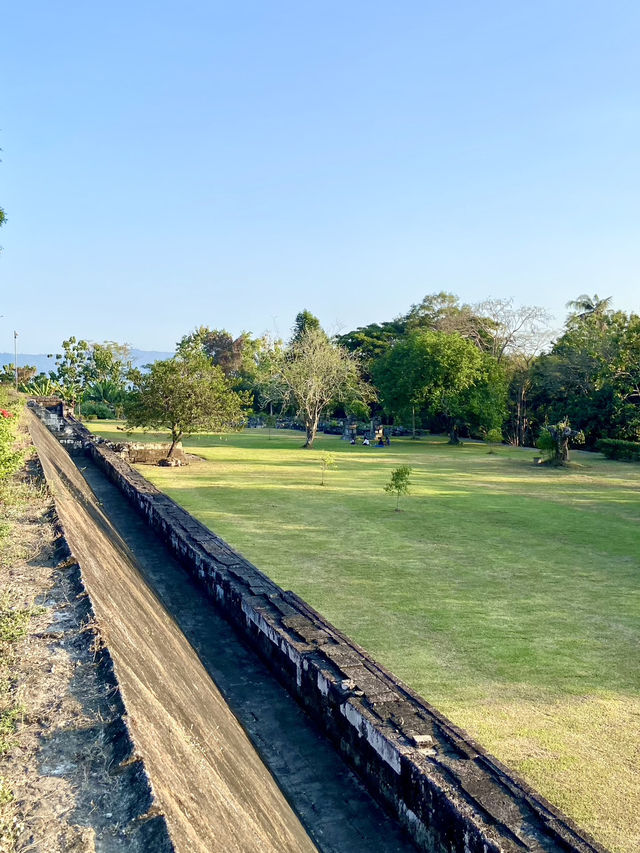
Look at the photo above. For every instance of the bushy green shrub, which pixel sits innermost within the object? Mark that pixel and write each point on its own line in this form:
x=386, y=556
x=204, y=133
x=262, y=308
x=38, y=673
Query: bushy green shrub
x=546, y=443
x=10, y=458
x=493, y=437
x=614, y=448
x=100, y=410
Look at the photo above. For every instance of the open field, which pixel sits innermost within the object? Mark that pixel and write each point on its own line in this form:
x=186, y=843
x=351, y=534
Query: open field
x=507, y=594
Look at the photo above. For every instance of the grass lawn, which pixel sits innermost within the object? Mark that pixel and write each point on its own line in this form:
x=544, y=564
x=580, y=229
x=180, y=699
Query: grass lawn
x=506, y=594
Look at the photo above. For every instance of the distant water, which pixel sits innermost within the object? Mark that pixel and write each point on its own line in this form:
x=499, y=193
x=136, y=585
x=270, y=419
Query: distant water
x=44, y=364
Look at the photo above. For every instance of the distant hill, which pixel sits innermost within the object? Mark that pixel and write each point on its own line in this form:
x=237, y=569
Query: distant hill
x=44, y=364
x=140, y=356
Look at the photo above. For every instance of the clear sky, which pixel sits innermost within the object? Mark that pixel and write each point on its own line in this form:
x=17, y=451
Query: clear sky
x=167, y=165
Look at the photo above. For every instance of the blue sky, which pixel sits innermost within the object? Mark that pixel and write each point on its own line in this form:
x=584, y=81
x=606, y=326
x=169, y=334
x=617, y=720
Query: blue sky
x=228, y=164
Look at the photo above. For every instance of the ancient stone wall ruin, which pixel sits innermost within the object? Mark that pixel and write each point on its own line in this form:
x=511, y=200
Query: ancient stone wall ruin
x=146, y=453
x=445, y=789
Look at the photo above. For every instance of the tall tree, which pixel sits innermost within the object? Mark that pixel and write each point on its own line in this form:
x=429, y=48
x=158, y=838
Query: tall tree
x=71, y=369
x=232, y=355
x=581, y=377
x=108, y=362
x=268, y=391
x=442, y=312
x=82, y=363
x=515, y=336
x=512, y=330
x=430, y=369
x=434, y=311
x=305, y=322
x=315, y=373
x=184, y=394
x=372, y=341
x=586, y=306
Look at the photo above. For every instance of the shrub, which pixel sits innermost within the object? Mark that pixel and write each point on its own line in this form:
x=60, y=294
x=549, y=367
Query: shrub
x=614, y=448
x=493, y=436
x=546, y=444
x=100, y=410
x=10, y=458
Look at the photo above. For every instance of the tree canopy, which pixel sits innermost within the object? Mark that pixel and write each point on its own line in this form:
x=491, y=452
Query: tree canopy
x=184, y=394
x=436, y=370
x=441, y=364
x=305, y=322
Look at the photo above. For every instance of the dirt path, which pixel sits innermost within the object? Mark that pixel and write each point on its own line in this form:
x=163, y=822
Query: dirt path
x=213, y=788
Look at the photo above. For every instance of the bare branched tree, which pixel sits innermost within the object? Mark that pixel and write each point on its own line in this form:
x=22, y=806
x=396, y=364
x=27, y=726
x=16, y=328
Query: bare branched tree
x=522, y=331
x=315, y=373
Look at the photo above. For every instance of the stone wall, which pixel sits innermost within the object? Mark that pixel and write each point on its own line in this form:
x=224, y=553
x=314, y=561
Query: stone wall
x=445, y=789
x=146, y=453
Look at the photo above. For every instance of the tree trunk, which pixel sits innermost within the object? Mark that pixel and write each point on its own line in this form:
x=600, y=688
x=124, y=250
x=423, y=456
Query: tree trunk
x=312, y=428
x=518, y=424
x=175, y=438
x=453, y=433
x=521, y=418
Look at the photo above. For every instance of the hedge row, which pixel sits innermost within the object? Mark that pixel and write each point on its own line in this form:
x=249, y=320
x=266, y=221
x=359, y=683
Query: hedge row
x=614, y=448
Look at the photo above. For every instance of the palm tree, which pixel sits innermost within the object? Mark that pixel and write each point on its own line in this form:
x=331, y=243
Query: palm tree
x=41, y=387
x=109, y=393
x=588, y=306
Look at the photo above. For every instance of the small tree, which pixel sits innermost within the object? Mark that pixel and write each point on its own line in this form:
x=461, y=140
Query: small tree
x=493, y=437
x=184, y=394
x=327, y=460
x=270, y=421
x=399, y=483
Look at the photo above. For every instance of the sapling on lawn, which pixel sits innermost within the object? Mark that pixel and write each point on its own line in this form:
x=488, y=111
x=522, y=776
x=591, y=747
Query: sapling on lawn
x=327, y=460
x=399, y=483
x=493, y=437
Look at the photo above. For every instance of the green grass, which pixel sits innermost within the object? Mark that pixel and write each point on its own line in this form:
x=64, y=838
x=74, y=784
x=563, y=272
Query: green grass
x=507, y=594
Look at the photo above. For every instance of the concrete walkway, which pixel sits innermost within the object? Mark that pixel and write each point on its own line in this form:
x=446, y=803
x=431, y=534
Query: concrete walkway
x=187, y=680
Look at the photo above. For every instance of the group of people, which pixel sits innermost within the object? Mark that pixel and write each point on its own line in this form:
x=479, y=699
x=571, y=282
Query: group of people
x=383, y=441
